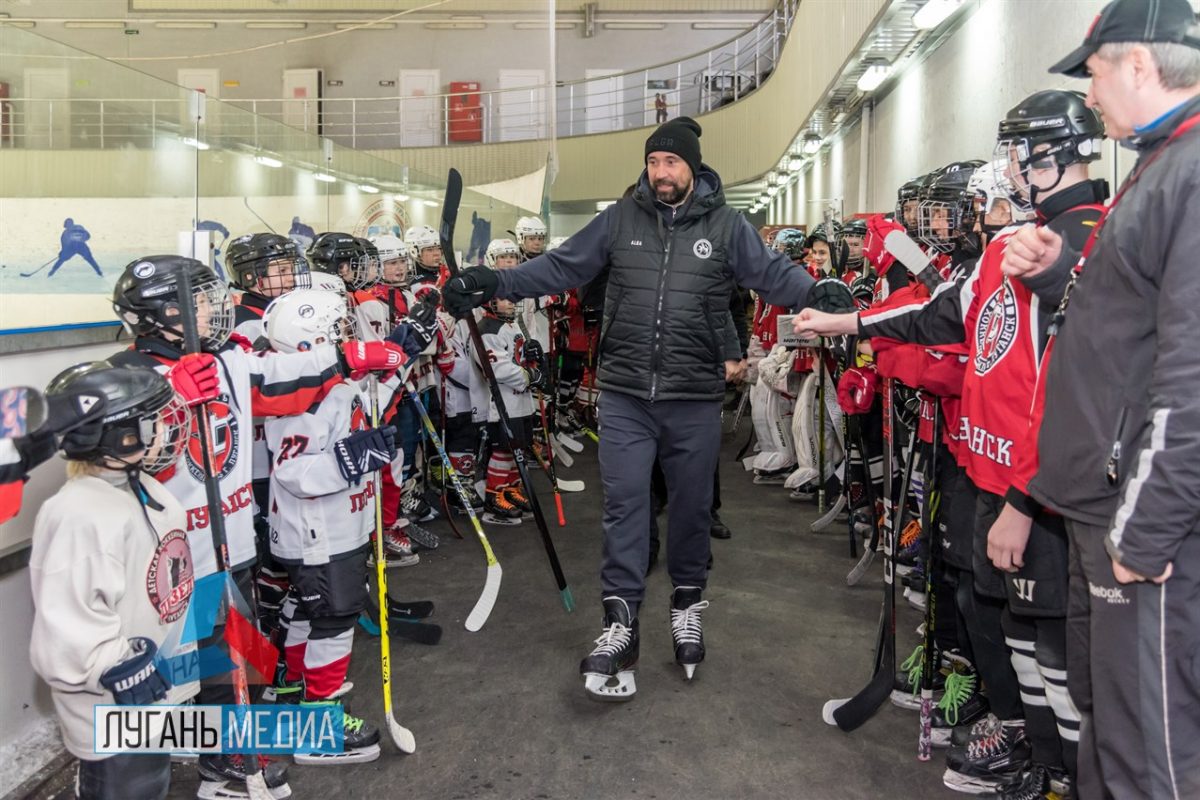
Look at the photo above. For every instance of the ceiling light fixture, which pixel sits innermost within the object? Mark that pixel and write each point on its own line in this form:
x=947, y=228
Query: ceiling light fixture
x=324, y=177
x=267, y=161
x=934, y=13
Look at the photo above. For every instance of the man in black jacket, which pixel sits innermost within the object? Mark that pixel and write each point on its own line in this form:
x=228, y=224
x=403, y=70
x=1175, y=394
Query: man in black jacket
x=1119, y=445
x=676, y=250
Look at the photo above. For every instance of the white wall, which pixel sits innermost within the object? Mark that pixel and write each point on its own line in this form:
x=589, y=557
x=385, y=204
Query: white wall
x=947, y=107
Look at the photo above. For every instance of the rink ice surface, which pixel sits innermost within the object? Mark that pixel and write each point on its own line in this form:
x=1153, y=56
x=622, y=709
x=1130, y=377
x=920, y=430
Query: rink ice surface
x=502, y=713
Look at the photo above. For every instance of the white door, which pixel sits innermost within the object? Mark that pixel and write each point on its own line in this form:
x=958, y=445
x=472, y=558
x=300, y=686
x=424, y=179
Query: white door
x=522, y=113
x=47, y=110
x=603, y=101
x=420, y=111
x=302, y=99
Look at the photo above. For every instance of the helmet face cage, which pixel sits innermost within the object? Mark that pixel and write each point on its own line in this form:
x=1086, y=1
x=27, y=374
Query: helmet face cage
x=1015, y=158
x=280, y=275
x=214, y=313
x=163, y=435
x=940, y=222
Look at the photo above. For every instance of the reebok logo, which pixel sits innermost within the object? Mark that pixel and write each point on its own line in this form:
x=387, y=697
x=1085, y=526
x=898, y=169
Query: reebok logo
x=1114, y=596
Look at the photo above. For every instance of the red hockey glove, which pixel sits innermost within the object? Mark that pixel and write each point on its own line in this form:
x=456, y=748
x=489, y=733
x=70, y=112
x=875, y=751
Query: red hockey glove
x=364, y=357
x=195, y=378
x=856, y=390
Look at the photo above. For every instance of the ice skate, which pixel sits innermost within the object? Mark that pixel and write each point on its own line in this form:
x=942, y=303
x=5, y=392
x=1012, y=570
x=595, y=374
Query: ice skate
x=686, y=630
x=223, y=777
x=497, y=510
x=608, y=671
x=360, y=742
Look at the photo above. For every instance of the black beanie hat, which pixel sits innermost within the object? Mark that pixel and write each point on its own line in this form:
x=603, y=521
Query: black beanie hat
x=680, y=136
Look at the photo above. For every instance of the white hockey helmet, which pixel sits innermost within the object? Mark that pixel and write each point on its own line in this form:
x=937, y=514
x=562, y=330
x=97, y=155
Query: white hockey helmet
x=985, y=185
x=391, y=249
x=529, y=227
x=325, y=282
x=418, y=238
x=555, y=242
x=305, y=318
x=500, y=247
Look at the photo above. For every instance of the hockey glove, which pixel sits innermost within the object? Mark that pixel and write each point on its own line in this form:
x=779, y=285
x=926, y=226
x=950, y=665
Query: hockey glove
x=533, y=353
x=469, y=289
x=414, y=333
x=364, y=357
x=195, y=378
x=537, y=378
x=831, y=296
x=136, y=681
x=363, y=452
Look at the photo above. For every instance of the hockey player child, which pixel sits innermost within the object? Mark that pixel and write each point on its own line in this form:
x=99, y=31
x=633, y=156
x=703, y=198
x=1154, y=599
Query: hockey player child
x=264, y=266
x=1045, y=143
x=112, y=575
x=520, y=368
x=322, y=515
x=237, y=385
x=348, y=258
x=530, y=233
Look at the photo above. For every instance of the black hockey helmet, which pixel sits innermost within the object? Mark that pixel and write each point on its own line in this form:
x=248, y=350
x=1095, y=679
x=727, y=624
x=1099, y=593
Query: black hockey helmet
x=146, y=299
x=142, y=413
x=373, y=262
x=343, y=255
x=1051, y=129
x=267, y=264
x=909, y=192
x=946, y=214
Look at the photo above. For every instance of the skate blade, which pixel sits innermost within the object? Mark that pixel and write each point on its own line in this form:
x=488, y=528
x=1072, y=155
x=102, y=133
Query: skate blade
x=341, y=691
x=906, y=700
x=361, y=755
x=968, y=785
x=236, y=790
x=610, y=688
x=504, y=521
x=689, y=670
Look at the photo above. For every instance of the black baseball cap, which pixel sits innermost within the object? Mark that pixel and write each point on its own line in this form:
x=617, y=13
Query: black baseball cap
x=1133, y=21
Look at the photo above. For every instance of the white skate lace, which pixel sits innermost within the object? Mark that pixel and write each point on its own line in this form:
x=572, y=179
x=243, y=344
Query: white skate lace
x=614, y=639
x=685, y=623
x=989, y=745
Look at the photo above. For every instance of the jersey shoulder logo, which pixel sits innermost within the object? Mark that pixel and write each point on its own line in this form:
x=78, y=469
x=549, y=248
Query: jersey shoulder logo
x=223, y=440
x=996, y=329
x=702, y=248
x=169, y=579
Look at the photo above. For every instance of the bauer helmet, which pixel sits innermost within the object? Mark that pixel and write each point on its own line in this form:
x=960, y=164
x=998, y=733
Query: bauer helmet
x=500, y=247
x=530, y=231
x=946, y=214
x=267, y=264
x=908, y=197
x=393, y=260
x=421, y=239
x=329, y=283
x=850, y=239
x=1048, y=130
x=146, y=299
x=343, y=255
x=142, y=414
x=303, y=319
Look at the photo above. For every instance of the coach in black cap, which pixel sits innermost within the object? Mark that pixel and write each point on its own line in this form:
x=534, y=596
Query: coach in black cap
x=676, y=250
x=1119, y=445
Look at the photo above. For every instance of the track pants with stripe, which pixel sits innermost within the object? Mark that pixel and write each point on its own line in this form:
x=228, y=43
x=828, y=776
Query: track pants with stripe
x=1133, y=667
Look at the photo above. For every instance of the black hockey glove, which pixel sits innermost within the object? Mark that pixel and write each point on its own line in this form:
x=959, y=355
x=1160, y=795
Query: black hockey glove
x=832, y=296
x=537, y=377
x=469, y=289
x=414, y=333
x=363, y=452
x=534, y=354
x=136, y=681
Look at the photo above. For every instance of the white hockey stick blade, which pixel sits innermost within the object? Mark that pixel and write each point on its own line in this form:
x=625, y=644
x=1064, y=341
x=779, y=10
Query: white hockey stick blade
x=570, y=486
x=402, y=736
x=487, y=599
x=856, y=574
x=824, y=522
x=830, y=707
x=564, y=455
x=571, y=444
x=906, y=251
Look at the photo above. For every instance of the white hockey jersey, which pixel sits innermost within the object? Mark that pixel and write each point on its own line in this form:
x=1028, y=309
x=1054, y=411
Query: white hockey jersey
x=504, y=344
x=104, y=569
x=248, y=316
x=315, y=514
x=268, y=384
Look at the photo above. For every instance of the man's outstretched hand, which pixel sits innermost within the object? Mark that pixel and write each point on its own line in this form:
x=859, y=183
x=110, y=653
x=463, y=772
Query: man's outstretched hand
x=810, y=322
x=470, y=288
x=1030, y=251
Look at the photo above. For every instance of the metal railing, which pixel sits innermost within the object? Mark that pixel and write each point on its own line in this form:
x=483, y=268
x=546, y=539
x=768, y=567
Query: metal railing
x=692, y=85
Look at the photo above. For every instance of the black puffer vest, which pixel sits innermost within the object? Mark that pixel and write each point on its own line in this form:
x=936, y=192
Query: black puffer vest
x=668, y=296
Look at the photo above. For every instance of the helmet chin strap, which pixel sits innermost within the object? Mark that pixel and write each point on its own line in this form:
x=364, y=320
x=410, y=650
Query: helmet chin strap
x=1034, y=188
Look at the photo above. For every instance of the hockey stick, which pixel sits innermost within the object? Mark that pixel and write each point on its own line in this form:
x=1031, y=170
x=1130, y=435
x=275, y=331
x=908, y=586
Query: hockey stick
x=567, y=443
x=402, y=736
x=821, y=425
x=410, y=609
x=855, y=575
x=933, y=545
x=914, y=259
x=449, y=216
x=591, y=434
x=39, y=269
x=850, y=713
x=546, y=463
x=256, y=782
x=491, y=585
x=563, y=454
x=402, y=625
x=741, y=410
x=246, y=203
